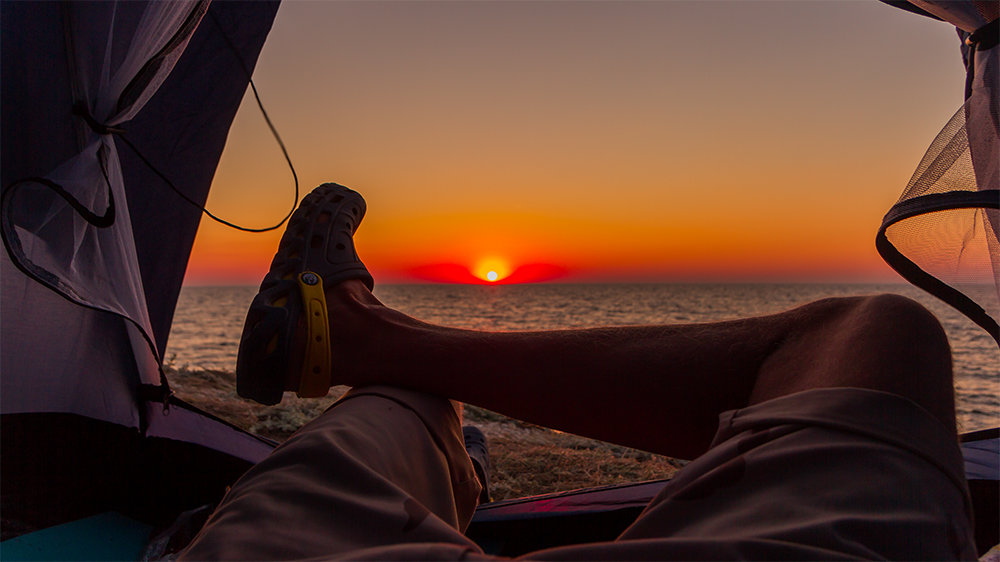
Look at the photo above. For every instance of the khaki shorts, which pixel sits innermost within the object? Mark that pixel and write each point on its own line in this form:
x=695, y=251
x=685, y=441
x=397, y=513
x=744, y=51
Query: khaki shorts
x=822, y=474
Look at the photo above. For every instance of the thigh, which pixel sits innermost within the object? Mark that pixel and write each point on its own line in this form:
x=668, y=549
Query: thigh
x=823, y=474
x=383, y=467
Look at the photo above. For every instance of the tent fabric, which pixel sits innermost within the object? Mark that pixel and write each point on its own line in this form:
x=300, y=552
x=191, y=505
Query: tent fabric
x=183, y=130
x=963, y=14
x=619, y=496
x=85, y=466
x=982, y=455
x=90, y=277
x=117, y=55
x=942, y=233
x=184, y=423
x=516, y=527
x=60, y=357
x=87, y=307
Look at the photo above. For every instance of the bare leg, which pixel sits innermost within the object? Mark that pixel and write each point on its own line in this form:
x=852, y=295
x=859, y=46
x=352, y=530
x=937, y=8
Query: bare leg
x=383, y=475
x=658, y=388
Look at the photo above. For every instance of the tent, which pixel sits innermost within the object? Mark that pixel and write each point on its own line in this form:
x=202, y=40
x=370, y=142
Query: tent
x=101, y=101
x=97, y=246
x=942, y=234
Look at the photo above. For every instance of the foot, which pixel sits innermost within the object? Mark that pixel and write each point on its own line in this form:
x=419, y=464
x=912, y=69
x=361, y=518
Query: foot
x=286, y=339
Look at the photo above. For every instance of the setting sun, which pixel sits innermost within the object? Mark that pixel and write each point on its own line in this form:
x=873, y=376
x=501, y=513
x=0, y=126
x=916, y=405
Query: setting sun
x=492, y=269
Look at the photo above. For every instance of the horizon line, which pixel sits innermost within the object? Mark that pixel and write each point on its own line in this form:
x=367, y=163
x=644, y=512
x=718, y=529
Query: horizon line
x=746, y=281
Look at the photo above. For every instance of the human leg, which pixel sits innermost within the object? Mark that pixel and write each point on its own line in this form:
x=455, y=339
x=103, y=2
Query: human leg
x=658, y=388
x=664, y=386
x=828, y=474
x=846, y=449
x=621, y=384
x=382, y=469
x=840, y=444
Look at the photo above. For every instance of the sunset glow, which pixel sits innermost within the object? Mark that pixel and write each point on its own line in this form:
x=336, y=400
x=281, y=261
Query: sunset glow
x=558, y=157
x=492, y=269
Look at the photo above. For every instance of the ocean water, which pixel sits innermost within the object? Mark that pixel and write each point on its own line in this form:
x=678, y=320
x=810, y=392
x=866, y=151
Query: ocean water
x=208, y=320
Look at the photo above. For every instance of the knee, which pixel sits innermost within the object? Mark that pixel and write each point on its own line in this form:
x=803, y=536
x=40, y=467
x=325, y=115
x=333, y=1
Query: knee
x=893, y=344
x=884, y=342
x=882, y=325
x=903, y=349
x=897, y=329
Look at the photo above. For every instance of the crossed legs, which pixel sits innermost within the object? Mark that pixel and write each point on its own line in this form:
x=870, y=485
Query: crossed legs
x=383, y=475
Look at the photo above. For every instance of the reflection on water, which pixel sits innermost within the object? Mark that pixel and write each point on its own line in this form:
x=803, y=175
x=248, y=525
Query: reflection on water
x=209, y=320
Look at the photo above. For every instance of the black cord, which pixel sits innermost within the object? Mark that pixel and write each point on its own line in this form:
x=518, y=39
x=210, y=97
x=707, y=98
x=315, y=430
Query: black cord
x=12, y=242
x=274, y=132
x=86, y=214
x=194, y=203
x=270, y=125
x=81, y=110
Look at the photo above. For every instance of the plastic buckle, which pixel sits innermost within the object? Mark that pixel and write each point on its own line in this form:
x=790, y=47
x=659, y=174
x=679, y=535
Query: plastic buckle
x=315, y=379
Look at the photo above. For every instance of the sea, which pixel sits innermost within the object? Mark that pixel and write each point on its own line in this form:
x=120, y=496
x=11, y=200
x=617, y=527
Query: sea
x=208, y=320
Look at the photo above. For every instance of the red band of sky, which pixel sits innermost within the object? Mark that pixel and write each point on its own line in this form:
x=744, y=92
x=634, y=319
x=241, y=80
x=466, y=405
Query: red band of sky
x=457, y=273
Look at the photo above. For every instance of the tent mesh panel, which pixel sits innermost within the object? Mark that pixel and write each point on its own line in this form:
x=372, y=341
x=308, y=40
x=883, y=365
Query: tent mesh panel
x=942, y=233
x=947, y=164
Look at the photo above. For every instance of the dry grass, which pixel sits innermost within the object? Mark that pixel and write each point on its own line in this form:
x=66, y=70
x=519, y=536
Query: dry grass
x=527, y=459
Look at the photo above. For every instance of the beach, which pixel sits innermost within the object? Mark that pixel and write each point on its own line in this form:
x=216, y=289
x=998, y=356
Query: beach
x=528, y=459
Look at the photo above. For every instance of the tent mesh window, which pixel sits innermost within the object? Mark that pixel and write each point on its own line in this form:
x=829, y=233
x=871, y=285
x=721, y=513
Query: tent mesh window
x=942, y=232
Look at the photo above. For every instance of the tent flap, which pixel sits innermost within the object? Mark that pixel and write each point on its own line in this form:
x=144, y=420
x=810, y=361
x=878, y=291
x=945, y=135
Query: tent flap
x=942, y=233
x=85, y=221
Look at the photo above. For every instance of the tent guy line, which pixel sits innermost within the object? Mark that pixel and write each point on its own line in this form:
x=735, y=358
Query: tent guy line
x=270, y=125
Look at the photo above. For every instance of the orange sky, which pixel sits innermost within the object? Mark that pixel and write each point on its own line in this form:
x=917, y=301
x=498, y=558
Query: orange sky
x=603, y=140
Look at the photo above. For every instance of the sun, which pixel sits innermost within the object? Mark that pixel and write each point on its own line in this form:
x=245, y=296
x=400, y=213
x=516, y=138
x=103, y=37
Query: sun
x=491, y=269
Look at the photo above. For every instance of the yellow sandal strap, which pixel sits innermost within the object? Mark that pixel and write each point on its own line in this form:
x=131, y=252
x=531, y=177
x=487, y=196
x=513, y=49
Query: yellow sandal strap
x=315, y=379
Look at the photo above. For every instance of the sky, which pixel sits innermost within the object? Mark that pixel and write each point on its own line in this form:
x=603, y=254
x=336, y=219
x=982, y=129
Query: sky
x=590, y=141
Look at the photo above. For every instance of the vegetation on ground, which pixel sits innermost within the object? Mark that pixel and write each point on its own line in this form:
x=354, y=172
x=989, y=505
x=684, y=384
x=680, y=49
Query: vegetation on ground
x=527, y=459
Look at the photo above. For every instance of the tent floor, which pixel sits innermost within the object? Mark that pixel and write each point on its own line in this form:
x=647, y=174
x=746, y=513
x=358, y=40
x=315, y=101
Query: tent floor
x=59, y=468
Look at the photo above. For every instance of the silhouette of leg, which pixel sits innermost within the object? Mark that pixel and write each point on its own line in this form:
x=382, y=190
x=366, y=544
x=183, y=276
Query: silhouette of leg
x=787, y=413
x=813, y=456
x=825, y=431
x=657, y=388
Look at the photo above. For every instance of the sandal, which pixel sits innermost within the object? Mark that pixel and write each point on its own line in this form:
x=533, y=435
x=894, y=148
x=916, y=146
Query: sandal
x=282, y=346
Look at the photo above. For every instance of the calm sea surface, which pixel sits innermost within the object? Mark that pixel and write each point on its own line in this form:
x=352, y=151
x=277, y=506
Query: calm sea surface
x=209, y=320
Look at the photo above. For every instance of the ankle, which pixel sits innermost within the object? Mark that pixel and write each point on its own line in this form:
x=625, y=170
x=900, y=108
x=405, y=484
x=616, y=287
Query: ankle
x=350, y=290
x=353, y=313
